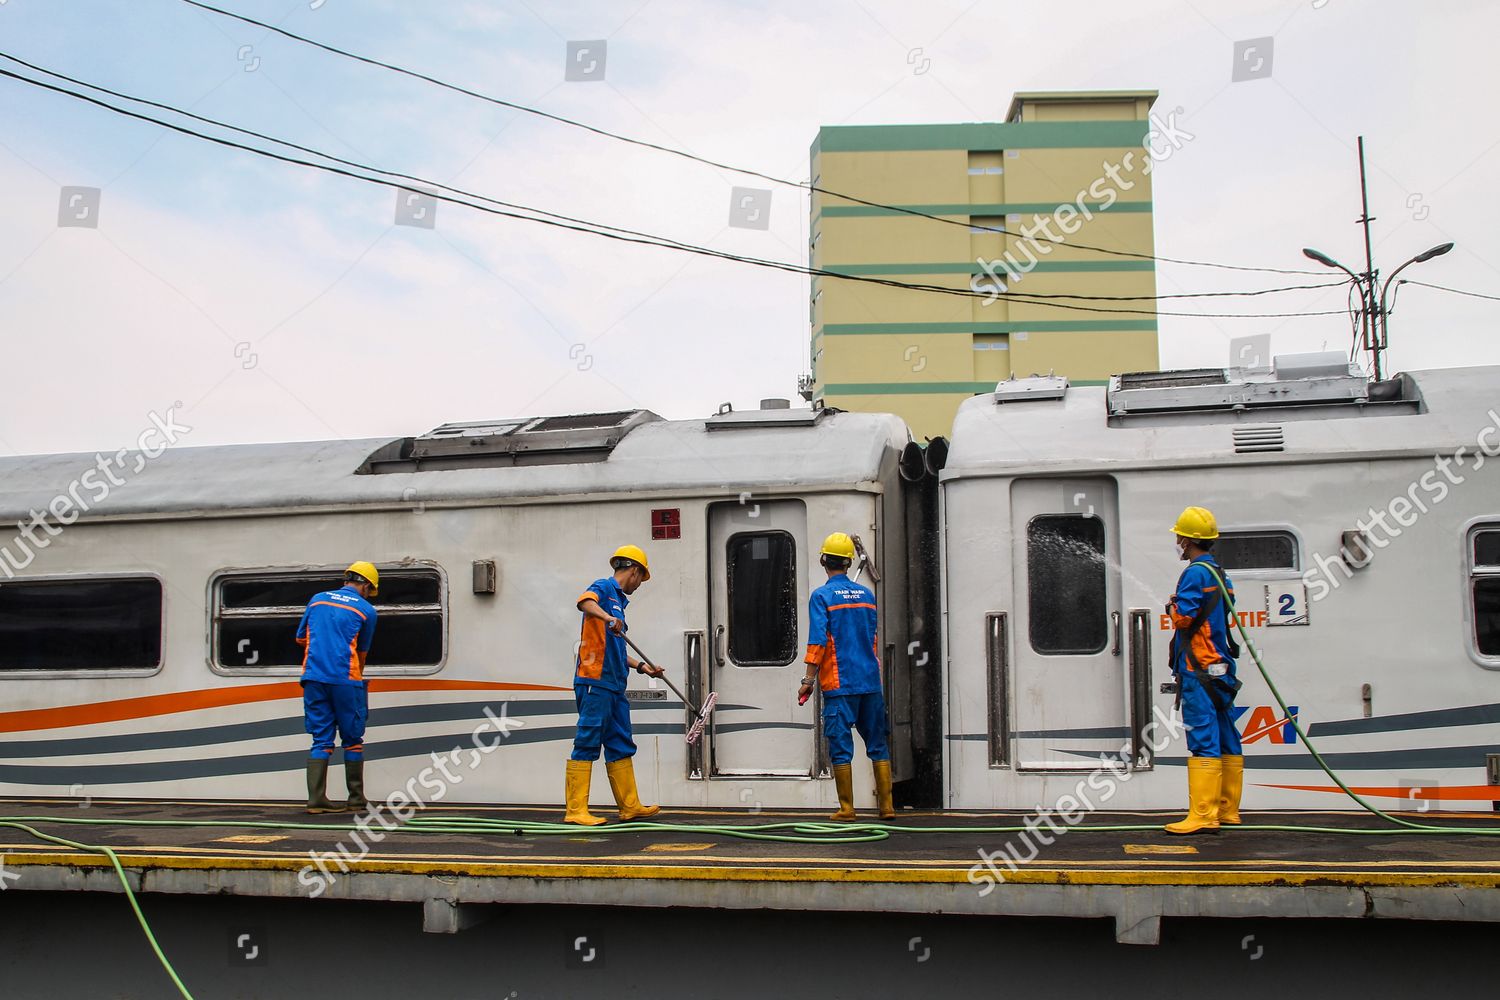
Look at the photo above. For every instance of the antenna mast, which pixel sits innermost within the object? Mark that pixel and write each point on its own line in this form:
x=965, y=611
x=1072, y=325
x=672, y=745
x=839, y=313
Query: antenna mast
x=1374, y=327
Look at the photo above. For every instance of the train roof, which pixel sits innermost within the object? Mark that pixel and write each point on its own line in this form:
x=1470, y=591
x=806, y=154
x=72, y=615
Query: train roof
x=1218, y=417
x=630, y=452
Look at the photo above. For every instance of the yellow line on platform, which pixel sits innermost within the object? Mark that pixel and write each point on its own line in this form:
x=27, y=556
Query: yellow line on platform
x=733, y=873
x=166, y=851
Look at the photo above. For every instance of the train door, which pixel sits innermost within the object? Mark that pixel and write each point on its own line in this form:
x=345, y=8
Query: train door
x=759, y=565
x=1068, y=684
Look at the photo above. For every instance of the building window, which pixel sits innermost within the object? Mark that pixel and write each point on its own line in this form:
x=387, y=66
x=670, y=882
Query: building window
x=102, y=623
x=762, y=599
x=256, y=616
x=1067, y=590
x=1257, y=550
x=1484, y=588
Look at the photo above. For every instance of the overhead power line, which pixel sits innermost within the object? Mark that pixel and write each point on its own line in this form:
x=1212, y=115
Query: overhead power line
x=429, y=183
x=579, y=225
x=587, y=227
x=685, y=154
x=1444, y=288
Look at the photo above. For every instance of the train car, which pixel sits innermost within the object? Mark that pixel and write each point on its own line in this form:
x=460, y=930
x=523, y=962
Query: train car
x=146, y=645
x=1361, y=528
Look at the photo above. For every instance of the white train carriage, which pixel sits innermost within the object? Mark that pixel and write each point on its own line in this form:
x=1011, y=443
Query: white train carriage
x=1361, y=528
x=147, y=649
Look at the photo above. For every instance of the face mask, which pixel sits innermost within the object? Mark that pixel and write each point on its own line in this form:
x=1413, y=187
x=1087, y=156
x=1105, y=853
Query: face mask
x=1182, y=549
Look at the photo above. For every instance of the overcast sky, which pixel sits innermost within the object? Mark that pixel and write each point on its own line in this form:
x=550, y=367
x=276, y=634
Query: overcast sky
x=277, y=303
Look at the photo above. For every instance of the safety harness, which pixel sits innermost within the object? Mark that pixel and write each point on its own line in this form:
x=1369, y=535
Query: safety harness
x=1220, y=690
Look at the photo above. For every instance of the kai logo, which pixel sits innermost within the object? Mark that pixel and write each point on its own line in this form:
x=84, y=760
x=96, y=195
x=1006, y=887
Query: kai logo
x=1264, y=721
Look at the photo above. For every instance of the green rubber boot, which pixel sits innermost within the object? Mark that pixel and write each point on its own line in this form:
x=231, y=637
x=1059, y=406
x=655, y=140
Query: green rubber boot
x=354, y=780
x=317, y=787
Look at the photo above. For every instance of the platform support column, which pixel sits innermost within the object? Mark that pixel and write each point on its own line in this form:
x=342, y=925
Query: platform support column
x=1136, y=922
x=442, y=916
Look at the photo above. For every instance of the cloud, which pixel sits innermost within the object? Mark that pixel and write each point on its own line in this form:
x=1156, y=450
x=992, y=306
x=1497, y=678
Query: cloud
x=362, y=328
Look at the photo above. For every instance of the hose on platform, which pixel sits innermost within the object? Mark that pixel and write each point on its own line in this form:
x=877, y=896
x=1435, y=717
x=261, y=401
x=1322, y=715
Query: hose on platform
x=796, y=832
x=114, y=860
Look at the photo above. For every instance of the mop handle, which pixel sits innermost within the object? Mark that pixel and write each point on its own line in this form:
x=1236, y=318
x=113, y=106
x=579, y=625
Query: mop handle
x=642, y=654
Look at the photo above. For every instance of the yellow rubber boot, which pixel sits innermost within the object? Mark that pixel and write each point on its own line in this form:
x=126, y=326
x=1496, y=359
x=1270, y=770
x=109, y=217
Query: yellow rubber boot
x=622, y=783
x=1204, y=775
x=1230, y=786
x=843, y=780
x=580, y=777
x=883, y=800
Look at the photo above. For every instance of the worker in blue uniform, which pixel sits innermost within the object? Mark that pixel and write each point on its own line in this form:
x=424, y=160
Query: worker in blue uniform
x=1203, y=661
x=599, y=674
x=843, y=657
x=335, y=633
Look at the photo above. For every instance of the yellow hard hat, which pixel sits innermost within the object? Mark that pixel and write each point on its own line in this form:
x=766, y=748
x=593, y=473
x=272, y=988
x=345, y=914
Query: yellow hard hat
x=840, y=545
x=1196, y=522
x=369, y=572
x=635, y=554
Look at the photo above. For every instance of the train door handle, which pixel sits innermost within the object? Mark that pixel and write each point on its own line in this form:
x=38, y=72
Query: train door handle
x=1114, y=619
x=719, y=646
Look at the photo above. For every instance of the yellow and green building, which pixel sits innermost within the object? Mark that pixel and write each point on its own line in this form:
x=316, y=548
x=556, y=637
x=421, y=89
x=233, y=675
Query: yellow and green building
x=921, y=353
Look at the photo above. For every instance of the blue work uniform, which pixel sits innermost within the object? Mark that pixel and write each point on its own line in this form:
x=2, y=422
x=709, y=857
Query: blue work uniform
x=599, y=675
x=335, y=632
x=842, y=644
x=1210, y=726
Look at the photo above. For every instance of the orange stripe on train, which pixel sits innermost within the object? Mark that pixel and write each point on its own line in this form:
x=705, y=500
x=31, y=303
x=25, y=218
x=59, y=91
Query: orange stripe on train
x=93, y=713
x=1416, y=793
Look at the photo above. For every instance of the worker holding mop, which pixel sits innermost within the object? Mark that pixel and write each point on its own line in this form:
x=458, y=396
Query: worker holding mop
x=842, y=657
x=600, y=671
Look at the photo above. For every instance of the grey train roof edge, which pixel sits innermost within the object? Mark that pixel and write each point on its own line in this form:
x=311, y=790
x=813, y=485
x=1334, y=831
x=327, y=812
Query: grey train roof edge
x=654, y=456
x=1443, y=409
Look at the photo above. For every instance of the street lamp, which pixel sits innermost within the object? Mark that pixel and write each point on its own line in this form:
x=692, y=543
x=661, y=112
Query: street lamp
x=1366, y=298
x=1436, y=251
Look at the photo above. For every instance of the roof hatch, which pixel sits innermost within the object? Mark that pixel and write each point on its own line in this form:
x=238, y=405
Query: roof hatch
x=1035, y=387
x=773, y=413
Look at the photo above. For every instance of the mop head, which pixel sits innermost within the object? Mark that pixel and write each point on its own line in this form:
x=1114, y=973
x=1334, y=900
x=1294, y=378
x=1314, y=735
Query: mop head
x=695, y=732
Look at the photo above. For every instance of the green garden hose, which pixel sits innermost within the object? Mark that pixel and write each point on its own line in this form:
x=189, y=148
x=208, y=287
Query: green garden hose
x=124, y=882
x=796, y=832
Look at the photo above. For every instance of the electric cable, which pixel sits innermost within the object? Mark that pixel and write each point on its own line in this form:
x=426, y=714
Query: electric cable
x=1445, y=288
x=429, y=183
x=590, y=228
x=514, y=106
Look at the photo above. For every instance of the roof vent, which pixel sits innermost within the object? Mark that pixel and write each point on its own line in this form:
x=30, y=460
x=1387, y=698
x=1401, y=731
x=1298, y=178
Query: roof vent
x=1298, y=380
x=1266, y=437
x=581, y=437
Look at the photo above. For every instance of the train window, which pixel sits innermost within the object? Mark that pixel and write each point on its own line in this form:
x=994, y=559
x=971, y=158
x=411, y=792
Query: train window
x=1247, y=550
x=1484, y=589
x=72, y=625
x=762, y=591
x=256, y=616
x=1487, y=548
x=1067, y=592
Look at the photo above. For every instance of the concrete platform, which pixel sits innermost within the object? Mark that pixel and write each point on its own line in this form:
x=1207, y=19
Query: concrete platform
x=1357, y=868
